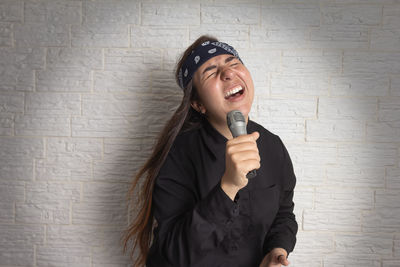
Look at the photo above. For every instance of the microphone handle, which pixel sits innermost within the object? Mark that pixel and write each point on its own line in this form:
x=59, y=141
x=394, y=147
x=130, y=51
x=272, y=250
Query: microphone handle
x=237, y=126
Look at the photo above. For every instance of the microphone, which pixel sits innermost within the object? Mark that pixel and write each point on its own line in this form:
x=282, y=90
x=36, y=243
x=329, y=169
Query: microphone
x=237, y=126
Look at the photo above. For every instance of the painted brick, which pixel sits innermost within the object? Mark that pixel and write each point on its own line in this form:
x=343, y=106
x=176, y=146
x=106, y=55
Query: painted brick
x=367, y=155
x=11, y=102
x=390, y=263
x=6, y=124
x=100, y=35
x=111, y=105
x=328, y=220
x=314, y=243
x=392, y=178
x=42, y=125
x=268, y=61
x=385, y=39
x=104, y=192
x=354, y=176
x=391, y=16
x=122, y=159
x=260, y=63
x=11, y=191
x=16, y=170
x=303, y=154
x=364, y=244
x=387, y=198
x=230, y=14
x=52, y=12
x=345, y=37
x=335, y=130
x=382, y=220
x=41, y=34
x=21, y=234
x=99, y=213
x=64, y=168
x=21, y=148
x=299, y=260
x=63, y=81
x=133, y=60
x=237, y=36
x=342, y=14
x=82, y=148
x=121, y=81
x=290, y=85
x=116, y=12
x=17, y=67
x=311, y=62
x=11, y=10
x=54, y=212
x=47, y=192
x=290, y=15
x=267, y=38
x=54, y=103
x=7, y=212
x=166, y=37
x=6, y=34
x=343, y=199
x=110, y=256
x=360, y=85
x=170, y=13
x=17, y=255
x=303, y=198
x=72, y=59
x=338, y=108
x=289, y=129
x=382, y=132
x=74, y=235
x=389, y=111
x=128, y=127
x=395, y=86
x=396, y=250
x=309, y=174
x=164, y=83
x=170, y=59
x=63, y=256
x=287, y=108
x=371, y=62
x=346, y=260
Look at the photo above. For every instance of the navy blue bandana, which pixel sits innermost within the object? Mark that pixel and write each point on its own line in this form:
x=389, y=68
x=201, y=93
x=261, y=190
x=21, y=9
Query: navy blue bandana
x=201, y=54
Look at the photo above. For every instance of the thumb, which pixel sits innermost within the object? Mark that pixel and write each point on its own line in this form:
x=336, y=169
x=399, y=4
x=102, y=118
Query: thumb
x=255, y=135
x=283, y=260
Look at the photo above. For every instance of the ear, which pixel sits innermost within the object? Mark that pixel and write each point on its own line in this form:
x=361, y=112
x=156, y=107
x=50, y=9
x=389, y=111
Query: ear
x=198, y=107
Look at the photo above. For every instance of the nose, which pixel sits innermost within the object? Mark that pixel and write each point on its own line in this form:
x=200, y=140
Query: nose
x=227, y=74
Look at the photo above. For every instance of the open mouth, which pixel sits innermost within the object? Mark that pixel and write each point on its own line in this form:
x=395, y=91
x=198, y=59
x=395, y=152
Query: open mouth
x=234, y=92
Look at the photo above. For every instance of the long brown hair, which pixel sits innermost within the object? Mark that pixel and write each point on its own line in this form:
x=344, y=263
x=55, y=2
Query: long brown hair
x=140, y=230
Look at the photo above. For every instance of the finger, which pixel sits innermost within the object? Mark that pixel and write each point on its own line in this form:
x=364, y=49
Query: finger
x=244, y=146
x=283, y=260
x=246, y=137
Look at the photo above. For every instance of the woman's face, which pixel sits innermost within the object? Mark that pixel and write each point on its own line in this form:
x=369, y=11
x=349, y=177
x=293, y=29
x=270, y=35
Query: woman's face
x=223, y=84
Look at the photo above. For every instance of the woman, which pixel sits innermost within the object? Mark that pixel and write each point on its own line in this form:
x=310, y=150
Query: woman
x=206, y=211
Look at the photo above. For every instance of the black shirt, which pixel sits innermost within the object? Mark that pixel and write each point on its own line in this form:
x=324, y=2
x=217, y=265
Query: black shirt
x=199, y=225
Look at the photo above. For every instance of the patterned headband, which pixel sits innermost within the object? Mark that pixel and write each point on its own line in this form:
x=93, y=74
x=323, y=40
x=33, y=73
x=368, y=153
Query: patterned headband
x=199, y=55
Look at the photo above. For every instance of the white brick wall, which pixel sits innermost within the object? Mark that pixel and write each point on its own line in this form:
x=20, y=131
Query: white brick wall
x=85, y=86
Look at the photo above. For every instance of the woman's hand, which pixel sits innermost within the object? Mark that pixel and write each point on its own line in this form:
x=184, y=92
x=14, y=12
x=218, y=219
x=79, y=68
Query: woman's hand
x=275, y=258
x=241, y=157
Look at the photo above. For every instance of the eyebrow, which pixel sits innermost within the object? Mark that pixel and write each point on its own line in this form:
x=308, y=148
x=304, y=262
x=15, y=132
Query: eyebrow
x=213, y=66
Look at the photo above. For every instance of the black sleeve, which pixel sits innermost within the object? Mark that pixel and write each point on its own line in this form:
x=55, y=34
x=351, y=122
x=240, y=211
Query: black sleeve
x=188, y=228
x=282, y=233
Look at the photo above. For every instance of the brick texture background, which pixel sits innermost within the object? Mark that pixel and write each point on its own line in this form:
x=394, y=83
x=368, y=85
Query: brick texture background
x=85, y=86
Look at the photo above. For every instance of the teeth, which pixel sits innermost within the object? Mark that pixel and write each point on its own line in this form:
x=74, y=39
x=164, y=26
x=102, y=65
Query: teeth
x=233, y=91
